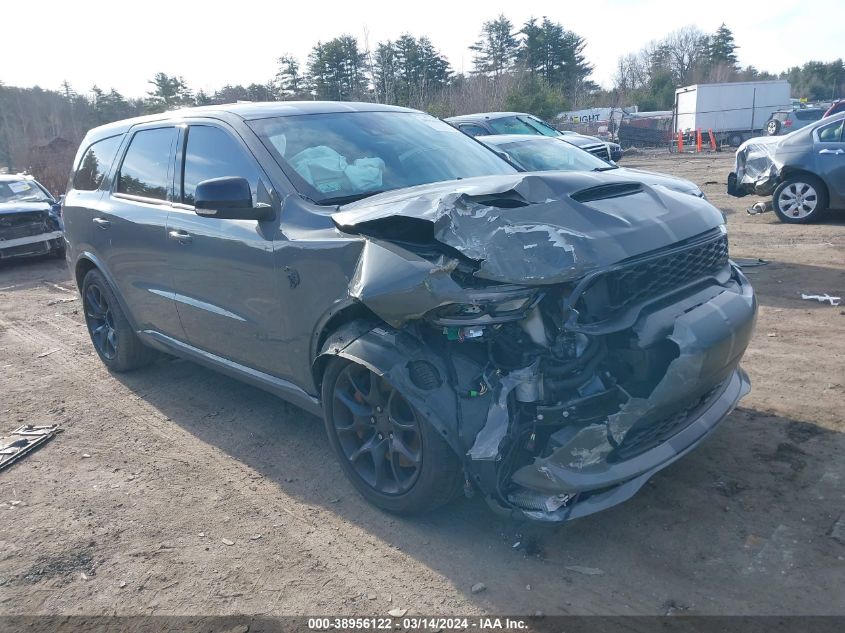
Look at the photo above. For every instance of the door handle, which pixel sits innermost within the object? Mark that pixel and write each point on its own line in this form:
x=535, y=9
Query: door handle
x=836, y=152
x=183, y=237
x=102, y=223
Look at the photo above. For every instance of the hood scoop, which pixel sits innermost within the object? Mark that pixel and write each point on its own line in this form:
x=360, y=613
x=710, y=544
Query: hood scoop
x=604, y=192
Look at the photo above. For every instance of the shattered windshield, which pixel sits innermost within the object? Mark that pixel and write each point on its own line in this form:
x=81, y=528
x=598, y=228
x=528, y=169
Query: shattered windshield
x=339, y=157
x=22, y=191
x=546, y=155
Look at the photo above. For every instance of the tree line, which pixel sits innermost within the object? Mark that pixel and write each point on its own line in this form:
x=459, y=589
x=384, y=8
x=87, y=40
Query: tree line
x=538, y=66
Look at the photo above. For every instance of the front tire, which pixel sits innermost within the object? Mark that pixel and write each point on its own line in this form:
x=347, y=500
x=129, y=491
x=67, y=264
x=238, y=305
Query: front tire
x=114, y=340
x=800, y=200
x=393, y=457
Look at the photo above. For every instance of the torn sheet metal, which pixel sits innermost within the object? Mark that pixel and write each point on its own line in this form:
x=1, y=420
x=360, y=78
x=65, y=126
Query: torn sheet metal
x=23, y=440
x=710, y=340
x=399, y=286
x=757, y=164
x=528, y=228
x=489, y=438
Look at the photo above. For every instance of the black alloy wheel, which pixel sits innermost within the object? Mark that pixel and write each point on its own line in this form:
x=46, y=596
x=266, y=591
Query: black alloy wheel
x=100, y=321
x=113, y=336
x=378, y=431
x=387, y=449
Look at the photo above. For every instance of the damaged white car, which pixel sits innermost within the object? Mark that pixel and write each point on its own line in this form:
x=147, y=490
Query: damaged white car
x=550, y=340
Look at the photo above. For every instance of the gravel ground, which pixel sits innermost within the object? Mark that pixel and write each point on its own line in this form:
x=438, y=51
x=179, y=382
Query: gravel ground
x=177, y=491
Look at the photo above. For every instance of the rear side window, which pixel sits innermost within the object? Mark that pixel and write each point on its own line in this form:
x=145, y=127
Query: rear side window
x=95, y=164
x=808, y=115
x=213, y=153
x=144, y=169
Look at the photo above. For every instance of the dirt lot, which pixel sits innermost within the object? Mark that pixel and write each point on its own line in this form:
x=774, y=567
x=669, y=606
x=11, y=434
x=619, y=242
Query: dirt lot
x=127, y=511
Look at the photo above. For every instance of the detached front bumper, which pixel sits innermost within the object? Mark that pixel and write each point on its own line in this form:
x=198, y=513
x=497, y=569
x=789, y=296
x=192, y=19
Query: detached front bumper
x=600, y=465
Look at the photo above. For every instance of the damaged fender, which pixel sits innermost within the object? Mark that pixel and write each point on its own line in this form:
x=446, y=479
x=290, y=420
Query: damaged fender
x=393, y=354
x=758, y=166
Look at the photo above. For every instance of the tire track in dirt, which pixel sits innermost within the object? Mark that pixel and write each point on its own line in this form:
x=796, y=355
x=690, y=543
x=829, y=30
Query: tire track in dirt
x=330, y=578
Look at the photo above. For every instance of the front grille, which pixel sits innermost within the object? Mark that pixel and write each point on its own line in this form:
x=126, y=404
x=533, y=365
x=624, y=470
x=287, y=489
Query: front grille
x=610, y=292
x=646, y=434
x=599, y=151
x=17, y=225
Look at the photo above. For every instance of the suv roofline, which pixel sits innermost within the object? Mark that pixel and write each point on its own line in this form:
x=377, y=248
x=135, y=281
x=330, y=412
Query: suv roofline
x=246, y=111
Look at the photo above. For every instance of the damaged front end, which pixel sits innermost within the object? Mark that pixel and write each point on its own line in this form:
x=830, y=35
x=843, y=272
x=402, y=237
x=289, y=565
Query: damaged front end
x=29, y=229
x=567, y=335
x=758, y=167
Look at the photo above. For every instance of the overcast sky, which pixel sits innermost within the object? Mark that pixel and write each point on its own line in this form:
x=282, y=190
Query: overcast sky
x=123, y=44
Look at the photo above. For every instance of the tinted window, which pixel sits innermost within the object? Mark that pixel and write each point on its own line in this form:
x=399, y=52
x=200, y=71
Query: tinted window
x=780, y=116
x=144, y=168
x=809, y=115
x=541, y=126
x=472, y=130
x=831, y=133
x=213, y=153
x=95, y=164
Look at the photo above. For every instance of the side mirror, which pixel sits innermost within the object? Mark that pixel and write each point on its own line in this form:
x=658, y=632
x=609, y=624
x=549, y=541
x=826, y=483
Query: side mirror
x=229, y=198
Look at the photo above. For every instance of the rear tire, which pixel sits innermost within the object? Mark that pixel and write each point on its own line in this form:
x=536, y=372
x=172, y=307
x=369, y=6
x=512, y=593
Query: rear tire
x=773, y=127
x=416, y=473
x=800, y=200
x=114, y=339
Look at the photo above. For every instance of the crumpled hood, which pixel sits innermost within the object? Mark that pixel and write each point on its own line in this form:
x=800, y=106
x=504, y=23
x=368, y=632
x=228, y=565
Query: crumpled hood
x=23, y=207
x=539, y=228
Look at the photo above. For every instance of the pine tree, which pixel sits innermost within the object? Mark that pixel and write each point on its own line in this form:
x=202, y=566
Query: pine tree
x=495, y=51
x=289, y=80
x=336, y=69
x=168, y=93
x=385, y=73
x=721, y=48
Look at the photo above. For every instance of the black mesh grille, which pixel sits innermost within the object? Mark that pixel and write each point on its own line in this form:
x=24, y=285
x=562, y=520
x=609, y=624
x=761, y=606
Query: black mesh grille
x=647, y=434
x=611, y=291
x=600, y=151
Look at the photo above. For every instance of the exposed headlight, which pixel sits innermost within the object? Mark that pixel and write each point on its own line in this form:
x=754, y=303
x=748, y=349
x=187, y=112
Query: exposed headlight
x=489, y=311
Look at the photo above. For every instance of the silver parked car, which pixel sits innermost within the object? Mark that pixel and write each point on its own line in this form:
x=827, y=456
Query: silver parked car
x=494, y=123
x=804, y=171
x=544, y=153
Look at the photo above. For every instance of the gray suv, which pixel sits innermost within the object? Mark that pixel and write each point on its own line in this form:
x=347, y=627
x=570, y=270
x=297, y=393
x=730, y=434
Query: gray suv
x=786, y=121
x=551, y=340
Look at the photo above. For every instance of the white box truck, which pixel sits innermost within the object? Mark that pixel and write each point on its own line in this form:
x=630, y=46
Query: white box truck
x=734, y=111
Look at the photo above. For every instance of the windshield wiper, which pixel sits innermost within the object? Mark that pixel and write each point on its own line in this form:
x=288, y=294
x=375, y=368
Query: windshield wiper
x=608, y=168
x=352, y=197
